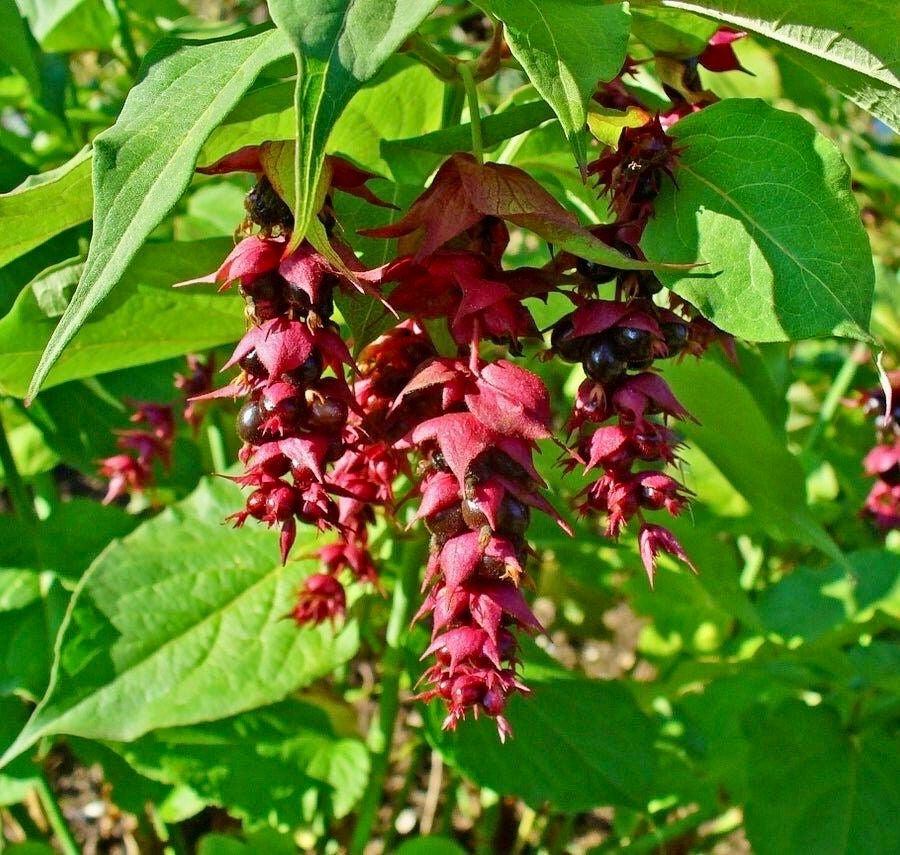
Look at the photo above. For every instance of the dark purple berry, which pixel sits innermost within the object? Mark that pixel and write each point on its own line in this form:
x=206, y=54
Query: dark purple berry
x=567, y=348
x=252, y=364
x=676, y=334
x=631, y=344
x=308, y=372
x=326, y=414
x=250, y=420
x=601, y=363
x=256, y=504
x=266, y=208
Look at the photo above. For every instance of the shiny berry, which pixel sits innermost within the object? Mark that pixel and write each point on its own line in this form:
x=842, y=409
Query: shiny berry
x=252, y=364
x=250, y=422
x=631, y=343
x=601, y=363
x=567, y=348
x=308, y=372
x=326, y=414
x=282, y=503
x=594, y=271
x=648, y=284
x=256, y=504
x=676, y=334
x=513, y=518
x=493, y=703
x=445, y=523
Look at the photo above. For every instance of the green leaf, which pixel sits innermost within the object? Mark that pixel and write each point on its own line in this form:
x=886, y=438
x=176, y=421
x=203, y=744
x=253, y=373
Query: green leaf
x=765, y=202
x=17, y=780
x=405, y=155
x=171, y=321
x=557, y=753
x=810, y=603
x=259, y=765
x=853, y=46
x=566, y=47
x=144, y=162
x=262, y=842
x=430, y=845
x=671, y=32
x=815, y=788
x=45, y=205
x=402, y=101
x=15, y=47
x=735, y=434
x=265, y=113
x=182, y=622
x=339, y=45
x=62, y=26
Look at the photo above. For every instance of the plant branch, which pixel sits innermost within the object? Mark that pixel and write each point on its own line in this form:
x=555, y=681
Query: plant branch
x=465, y=72
x=442, y=66
x=837, y=391
x=381, y=732
x=15, y=486
x=55, y=818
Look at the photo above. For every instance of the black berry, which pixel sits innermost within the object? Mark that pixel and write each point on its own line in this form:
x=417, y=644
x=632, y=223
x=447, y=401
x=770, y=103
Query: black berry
x=601, y=363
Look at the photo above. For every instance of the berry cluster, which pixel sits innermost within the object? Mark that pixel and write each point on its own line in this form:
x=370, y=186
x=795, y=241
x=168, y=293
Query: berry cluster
x=320, y=450
x=883, y=461
x=132, y=471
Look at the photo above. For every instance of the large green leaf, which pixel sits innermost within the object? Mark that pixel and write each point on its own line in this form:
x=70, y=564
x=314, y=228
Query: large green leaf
x=578, y=744
x=170, y=321
x=182, y=622
x=15, y=48
x=566, y=48
x=816, y=788
x=851, y=45
x=144, y=162
x=735, y=434
x=44, y=206
x=339, y=45
x=259, y=765
x=62, y=26
x=765, y=202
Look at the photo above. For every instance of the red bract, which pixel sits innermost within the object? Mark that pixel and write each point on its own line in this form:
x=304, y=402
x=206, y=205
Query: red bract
x=321, y=598
x=462, y=194
x=654, y=539
x=196, y=382
x=719, y=55
x=130, y=474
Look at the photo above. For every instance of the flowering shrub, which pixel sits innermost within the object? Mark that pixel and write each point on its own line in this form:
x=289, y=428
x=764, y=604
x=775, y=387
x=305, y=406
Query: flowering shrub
x=515, y=450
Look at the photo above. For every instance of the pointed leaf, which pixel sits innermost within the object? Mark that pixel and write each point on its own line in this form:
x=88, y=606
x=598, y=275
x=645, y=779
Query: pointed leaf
x=45, y=205
x=181, y=622
x=566, y=48
x=339, y=45
x=853, y=46
x=144, y=162
x=765, y=201
x=171, y=322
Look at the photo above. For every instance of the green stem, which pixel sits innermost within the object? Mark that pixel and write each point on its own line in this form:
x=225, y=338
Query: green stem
x=133, y=60
x=837, y=391
x=22, y=504
x=216, y=440
x=381, y=732
x=55, y=818
x=474, y=113
x=440, y=65
x=451, y=107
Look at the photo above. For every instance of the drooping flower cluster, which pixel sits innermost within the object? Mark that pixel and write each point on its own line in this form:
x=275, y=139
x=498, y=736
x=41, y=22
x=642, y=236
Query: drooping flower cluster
x=612, y=338
x=196, y=381
x=300, y=413
x=478, y=488
x=882, y=504
x=132, y=471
